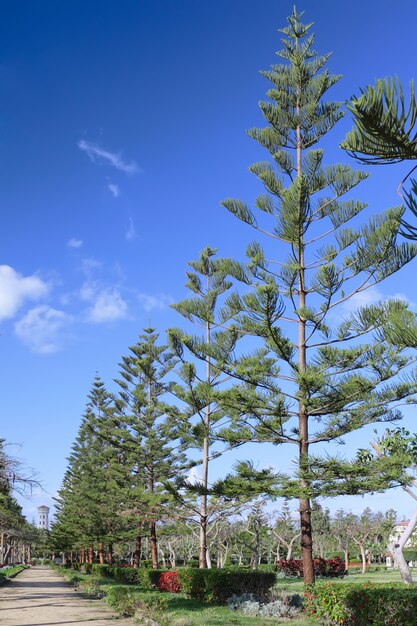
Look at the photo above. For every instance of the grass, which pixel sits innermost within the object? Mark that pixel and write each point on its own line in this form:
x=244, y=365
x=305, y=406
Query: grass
x=184, y=612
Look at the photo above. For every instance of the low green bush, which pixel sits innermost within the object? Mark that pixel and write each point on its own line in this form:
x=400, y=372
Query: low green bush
x=149, y=578
x=101, y=570
x=216, y=585
x=87, y=568
x=410, y=554
x=362, y=604
x=144, y=577
x=128, y=601
x=124, y=575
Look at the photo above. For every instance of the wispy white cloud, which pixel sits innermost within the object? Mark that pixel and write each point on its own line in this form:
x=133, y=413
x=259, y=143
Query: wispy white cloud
x=106, y=303
x=404, y=298
x=131, y=230
x=89, y=266
x=98, y=154
x=43, y=329
x=363, y=298
x=154, y=302
x=114, y=189
x=372, y=296
x=16, y=289
x=74, y=243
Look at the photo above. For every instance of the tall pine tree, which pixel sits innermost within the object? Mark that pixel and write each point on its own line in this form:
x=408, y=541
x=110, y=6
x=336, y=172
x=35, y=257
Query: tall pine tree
x=320, y=370
x=90, y=501
x=201, y=374
x=148, y=435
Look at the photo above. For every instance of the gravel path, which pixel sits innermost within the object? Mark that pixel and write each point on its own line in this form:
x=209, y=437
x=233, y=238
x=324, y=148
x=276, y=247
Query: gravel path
x=38, y=597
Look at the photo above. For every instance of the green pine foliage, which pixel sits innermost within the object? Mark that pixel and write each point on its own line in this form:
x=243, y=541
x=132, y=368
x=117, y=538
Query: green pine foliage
x=89, y=503
x=385, y=126
x=147, y=432
x=385, y=132
x=202, y=359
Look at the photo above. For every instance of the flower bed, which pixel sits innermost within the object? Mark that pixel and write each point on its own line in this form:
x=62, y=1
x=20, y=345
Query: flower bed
x=326, y=568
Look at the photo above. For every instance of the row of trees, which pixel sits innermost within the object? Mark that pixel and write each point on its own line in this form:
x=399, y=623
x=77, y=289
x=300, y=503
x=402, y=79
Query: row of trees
x=16, y=535
x=254, y=536
x=279, y=355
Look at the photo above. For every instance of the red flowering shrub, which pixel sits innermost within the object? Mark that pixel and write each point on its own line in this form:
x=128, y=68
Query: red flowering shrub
x=327, y=568
x=168, y=581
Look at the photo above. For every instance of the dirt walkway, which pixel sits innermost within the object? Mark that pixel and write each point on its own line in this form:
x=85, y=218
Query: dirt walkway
x=38, y=597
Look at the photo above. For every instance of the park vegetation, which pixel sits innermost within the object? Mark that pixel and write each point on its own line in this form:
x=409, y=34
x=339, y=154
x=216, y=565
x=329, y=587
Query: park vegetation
x=17, y=536
x=273, y=350
x=280, y=356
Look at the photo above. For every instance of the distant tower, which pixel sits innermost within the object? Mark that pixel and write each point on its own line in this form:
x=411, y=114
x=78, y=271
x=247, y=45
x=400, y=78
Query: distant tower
x=43, y=517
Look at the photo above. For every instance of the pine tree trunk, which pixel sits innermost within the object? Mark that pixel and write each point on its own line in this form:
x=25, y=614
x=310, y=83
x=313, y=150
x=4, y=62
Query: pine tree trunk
x=110, y=554
x=305, y=511
x=137, y=555
x=91, y=554
x=202, y=558
x=154, y=546
x=202, y=563
x=101, y=552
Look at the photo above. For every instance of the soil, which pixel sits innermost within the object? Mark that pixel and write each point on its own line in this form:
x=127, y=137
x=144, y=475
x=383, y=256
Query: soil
x=39, y=597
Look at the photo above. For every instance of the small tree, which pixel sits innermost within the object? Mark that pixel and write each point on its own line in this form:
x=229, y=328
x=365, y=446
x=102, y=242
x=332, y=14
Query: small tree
x=393, y=462
x=368, y=529
x=340, y=527
x=320, y=519
x=201, y=373
x=285, y=531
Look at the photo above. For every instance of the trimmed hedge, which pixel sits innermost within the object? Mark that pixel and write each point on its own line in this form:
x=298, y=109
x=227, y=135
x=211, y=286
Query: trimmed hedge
x=216, y=585
x=101, y=570
x=362, y=604
x=11, y=571
x=327, y=568
x=144, y=577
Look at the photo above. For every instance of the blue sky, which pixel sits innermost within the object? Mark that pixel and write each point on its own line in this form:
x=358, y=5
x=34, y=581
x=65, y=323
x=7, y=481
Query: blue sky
x=121, y=129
